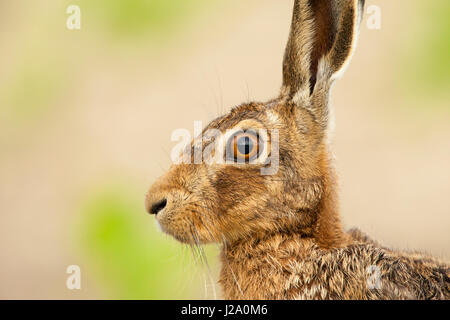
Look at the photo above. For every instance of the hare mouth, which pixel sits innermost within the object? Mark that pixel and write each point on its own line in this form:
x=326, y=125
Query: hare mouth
x=169, y=224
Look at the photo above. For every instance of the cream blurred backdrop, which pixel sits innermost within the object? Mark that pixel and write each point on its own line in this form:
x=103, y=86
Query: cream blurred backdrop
x=86, y=118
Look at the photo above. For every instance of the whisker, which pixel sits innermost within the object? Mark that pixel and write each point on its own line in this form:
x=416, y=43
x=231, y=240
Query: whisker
x=202, y=253
x=206, y=261
x=229, y=267
x=203, y=260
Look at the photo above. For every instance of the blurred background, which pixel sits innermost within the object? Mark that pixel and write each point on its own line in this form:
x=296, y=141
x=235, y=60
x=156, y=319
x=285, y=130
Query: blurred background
x=86, y=118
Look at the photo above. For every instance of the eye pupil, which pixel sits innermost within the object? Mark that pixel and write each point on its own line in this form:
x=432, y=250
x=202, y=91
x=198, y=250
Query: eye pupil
x=245, y=145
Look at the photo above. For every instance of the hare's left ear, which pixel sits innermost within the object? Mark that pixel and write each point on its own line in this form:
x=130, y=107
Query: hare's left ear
x=321, y=43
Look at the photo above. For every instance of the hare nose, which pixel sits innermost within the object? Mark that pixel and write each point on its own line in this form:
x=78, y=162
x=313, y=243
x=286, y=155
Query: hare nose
x=158, y=206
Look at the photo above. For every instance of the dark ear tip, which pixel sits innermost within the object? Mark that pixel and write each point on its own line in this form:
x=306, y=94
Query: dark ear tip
x=362, y=3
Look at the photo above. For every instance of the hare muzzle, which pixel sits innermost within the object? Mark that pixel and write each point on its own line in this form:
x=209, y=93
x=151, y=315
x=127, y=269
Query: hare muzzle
x=180, y=208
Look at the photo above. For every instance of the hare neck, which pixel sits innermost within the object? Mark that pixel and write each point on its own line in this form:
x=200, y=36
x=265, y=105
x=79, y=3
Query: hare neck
x=254, y=269
x=327, y=229
x=259, y=267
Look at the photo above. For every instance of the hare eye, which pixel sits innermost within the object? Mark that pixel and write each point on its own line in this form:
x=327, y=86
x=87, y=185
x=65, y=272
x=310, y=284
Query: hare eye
x=244, y=147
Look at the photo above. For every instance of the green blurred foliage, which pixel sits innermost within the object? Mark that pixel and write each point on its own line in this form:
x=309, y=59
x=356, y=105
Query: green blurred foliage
x=36, y=72
x=126, y=254
x=428, y=67
x=32, y=89
x=436, y=67
x=125, y=18
x=42, y=73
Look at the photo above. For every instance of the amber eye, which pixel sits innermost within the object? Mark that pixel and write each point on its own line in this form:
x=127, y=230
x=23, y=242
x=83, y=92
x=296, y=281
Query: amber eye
x=244, y=146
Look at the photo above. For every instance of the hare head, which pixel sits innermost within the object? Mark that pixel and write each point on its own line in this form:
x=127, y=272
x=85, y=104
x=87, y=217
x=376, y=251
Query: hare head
x=271, y=171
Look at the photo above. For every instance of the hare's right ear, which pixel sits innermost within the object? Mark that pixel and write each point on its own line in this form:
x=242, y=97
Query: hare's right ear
x=322, y=40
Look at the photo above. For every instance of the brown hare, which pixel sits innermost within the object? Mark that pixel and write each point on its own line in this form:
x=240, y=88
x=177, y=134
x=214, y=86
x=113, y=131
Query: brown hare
x=280, y=229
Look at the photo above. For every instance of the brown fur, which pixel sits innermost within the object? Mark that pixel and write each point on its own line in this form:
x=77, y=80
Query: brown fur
x=291, y=267
x=281, y=234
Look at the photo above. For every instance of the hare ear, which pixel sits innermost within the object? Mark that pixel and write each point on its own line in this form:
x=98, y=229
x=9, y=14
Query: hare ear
x=321, y=43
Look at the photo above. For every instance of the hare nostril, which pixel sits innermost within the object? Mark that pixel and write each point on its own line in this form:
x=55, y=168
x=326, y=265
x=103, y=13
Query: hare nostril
x=158, y=206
